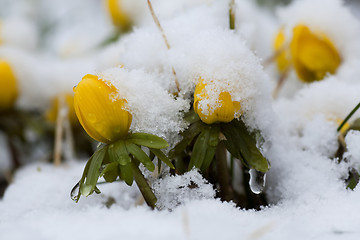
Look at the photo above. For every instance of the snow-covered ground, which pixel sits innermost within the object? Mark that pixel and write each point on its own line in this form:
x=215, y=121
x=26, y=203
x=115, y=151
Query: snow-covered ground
x=305, y=186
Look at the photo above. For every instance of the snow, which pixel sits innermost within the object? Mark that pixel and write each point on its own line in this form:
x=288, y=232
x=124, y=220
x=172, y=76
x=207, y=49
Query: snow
x=305, y=186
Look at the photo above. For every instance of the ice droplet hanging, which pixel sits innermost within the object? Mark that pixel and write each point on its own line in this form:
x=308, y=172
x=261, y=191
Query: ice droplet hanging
x=257, y=181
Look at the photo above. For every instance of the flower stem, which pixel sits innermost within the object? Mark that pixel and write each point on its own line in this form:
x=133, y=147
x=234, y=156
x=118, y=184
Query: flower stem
x=348, y=117
x=143, y=186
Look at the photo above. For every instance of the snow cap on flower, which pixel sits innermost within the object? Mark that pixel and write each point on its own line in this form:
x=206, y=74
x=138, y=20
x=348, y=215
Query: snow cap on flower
x=224, y=110
x=100, y=109
x=153, y=108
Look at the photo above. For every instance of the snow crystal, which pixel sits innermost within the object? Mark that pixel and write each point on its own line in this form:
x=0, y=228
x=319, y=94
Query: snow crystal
x=173, y=191
x=352, y=154
x=154, y=110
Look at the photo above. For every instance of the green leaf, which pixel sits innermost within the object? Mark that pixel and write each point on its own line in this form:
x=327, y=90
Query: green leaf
x=93, y=172
x=188, y=136
x=81, y=182
x=140, y=155
x=147, y=140
x=191, y=117
x=161, y=156
x=118, y=153
x=126, y=174
x=110, y=172
x=242, y=145
x=199, y=150
x=213, y=141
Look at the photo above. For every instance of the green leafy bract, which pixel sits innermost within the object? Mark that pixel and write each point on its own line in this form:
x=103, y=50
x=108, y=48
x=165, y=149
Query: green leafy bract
x=92, y=172
x=147, y=140
x=241, y=144
x=140, y=155
x=110, y=172
x=161, y=156
x=126, y=174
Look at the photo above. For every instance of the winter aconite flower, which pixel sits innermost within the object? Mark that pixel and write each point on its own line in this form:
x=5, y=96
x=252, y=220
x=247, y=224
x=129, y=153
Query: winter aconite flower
x=224, y=109
x=313, y=55
x=118, y=16
x=101, y=113
x=8, y=89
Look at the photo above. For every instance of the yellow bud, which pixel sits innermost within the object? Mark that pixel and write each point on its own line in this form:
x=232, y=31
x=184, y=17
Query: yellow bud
x=283, y=58
x=51, y=114
x=8, y=89
x=313, y=55
x=118, y=16
x=102, y=116
x=225, y=110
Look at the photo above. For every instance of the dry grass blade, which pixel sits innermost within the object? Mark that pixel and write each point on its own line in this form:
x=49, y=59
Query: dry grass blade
x=157, y=22
x=281, y=82
x=61, y=115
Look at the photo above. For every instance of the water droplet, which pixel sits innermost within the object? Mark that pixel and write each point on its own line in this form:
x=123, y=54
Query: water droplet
x=257, y=181
x=86, y=190
x=91, y=118
x=99, y=127
x=75, y=192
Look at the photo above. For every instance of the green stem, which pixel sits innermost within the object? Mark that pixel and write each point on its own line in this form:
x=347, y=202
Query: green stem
x=232, y=14
x=223, y=172
x=348, y=117
x=143, y=186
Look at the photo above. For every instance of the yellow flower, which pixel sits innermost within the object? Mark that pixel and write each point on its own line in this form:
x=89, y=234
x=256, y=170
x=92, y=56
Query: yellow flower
x=283, y=58
x=118, y=16
x=102, y=116
x=223, y=113
x=8, y=89
x=51, y=114
x=312, y=55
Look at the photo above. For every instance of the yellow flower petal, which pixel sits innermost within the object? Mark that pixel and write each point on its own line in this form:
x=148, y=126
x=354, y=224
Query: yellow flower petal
x=9, y=89
x=313, y=55
x=283, y=58
x=223, y=113
x=119, y=18
x=102, y=116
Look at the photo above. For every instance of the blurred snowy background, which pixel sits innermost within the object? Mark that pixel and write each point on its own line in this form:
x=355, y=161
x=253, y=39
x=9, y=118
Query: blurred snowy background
x=51, y=45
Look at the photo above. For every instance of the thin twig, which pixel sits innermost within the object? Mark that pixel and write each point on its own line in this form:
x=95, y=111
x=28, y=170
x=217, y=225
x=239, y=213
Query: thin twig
x=157, y=22
x=59, y=130
x=276, y=54
x=69, y=138
x=232, y=14
x=281, y=82
x=348, y=117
